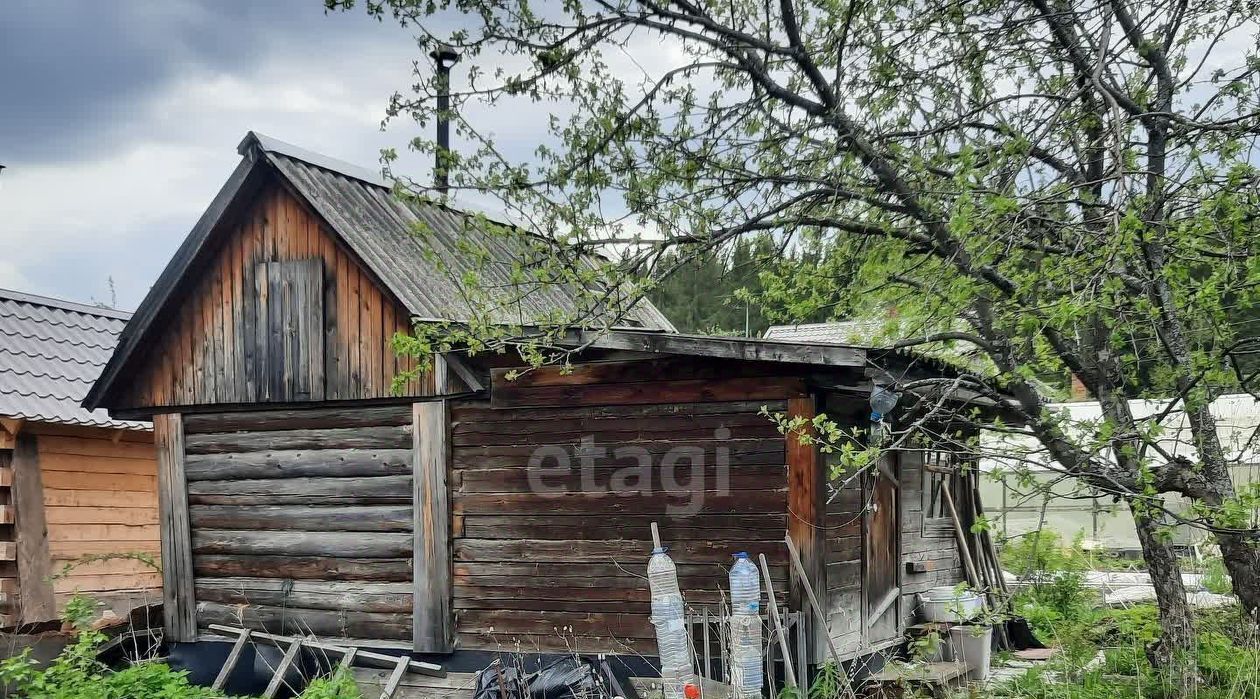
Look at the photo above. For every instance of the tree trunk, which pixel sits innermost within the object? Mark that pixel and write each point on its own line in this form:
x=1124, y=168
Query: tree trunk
x=1242, y=560
x=1174, y=654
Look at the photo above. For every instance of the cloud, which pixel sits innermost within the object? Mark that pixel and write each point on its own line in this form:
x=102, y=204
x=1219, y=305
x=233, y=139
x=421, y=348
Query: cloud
x=112, y=158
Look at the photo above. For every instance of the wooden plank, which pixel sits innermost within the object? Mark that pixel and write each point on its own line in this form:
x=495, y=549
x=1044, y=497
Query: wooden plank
x=67, y=480
x=178, y=603
x=98, y=498
x=121, y=533
x=381, y=490
x=627, y=553
x=720, y=526
x=233, y=657
x=611, y=503
x=319, y=622
x=31, y=532
x=395, y=677
x=357, y=518
x=723, y=347
x=278, y=592
x=304, y=567
x=343, y=463
x=468, y=415
x=6, y=477
x=298, y=419
x=77, y=463
x=300, y=543
x=7, y=514
x=685, y=391
x=282, y=669
x=434, y=625
x=57, y=514
x=807, y=490
x=8, y=550
x=379, y=437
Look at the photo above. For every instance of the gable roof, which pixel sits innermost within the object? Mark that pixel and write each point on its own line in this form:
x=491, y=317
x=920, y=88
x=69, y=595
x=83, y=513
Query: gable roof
x=380, y=230
x=50, y=353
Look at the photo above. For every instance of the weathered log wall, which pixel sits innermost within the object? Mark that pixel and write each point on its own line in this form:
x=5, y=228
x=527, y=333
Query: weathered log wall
x=302, y=520
x=552, y=509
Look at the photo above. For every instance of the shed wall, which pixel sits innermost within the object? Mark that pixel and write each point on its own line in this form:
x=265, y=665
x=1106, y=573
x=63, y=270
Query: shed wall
x=301, y=520
x=552, y=514
x=217, y=348
x=100, y=498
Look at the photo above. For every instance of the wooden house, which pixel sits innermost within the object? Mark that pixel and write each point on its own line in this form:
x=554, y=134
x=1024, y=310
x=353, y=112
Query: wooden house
x=77, y=487
x=472, y=512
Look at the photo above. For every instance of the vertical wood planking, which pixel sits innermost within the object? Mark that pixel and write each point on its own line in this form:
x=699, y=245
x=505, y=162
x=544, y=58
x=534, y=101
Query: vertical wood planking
x=178, y=603
x=806, y=492
x=206, y=354
x=34, y=564
x=433, y=624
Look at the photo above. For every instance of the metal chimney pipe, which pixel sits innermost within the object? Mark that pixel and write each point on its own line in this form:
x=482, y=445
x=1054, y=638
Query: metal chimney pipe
x=445, y=57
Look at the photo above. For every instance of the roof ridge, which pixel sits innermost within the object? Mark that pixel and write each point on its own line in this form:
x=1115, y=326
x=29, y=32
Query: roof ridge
x=73, y=306
x=267, y=144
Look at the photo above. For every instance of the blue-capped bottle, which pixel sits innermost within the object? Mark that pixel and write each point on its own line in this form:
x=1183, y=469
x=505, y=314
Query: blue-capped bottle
x=747, y=671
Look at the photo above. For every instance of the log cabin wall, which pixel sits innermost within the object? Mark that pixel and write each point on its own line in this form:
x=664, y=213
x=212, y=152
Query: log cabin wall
x=279, y=312
x=554, y=556
x=301, y=520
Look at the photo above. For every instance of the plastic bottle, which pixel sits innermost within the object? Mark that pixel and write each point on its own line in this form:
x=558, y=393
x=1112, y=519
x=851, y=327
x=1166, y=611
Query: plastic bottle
x=671, y=630
x=747, y=673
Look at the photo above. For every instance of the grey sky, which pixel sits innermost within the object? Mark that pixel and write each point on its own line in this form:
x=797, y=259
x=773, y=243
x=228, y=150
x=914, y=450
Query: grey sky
x=119, y=122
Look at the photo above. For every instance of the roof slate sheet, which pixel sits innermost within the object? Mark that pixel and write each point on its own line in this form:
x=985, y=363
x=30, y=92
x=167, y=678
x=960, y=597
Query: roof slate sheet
x=422, y=250
x=50, y=353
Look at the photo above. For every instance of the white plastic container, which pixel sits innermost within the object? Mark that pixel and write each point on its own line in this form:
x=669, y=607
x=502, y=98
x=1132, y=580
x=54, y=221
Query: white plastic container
x=672, y=643
x=972, y=646
x=747, y=675
x=945, y=604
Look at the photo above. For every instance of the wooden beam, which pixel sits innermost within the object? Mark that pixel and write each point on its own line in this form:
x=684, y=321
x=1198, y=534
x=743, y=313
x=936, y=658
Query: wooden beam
x=505, y=394
x=178, y=603
x=31, y=531
x=722, y=347
x=461, y=369
x=434, y=629
x=806, y=509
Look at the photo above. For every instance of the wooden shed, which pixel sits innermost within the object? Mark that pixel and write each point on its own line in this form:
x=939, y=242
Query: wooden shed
x=77, y=487
x=473, y=513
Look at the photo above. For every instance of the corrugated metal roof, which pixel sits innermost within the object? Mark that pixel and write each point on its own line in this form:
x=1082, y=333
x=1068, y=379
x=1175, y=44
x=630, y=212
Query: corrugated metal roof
x=421, y=250
x=50, y=353
x=834, y=332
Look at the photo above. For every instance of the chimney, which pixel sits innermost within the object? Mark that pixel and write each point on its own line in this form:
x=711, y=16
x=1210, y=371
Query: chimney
x=445, y=57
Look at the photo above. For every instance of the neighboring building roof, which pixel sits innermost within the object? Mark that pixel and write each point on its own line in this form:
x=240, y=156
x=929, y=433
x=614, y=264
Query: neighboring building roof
x=50, y=353
x=381, y=231
x=1237, y=425
x=834, y=332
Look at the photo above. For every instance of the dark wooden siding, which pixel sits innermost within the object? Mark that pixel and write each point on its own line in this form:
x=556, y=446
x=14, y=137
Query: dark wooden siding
x=556, y=561
x=302, y=520
x=844, y=526
x=209, y=351
x=941, y=553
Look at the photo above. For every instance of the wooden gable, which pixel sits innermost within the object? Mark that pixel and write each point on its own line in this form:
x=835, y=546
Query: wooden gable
x=278, y=311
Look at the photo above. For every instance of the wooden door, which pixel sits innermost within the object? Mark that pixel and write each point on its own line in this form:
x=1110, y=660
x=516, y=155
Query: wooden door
x=289, y=330
x=881, y=591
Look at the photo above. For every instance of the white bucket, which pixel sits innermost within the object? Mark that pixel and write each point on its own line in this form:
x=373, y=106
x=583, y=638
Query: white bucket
x=945, y=604
x=972, y=646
